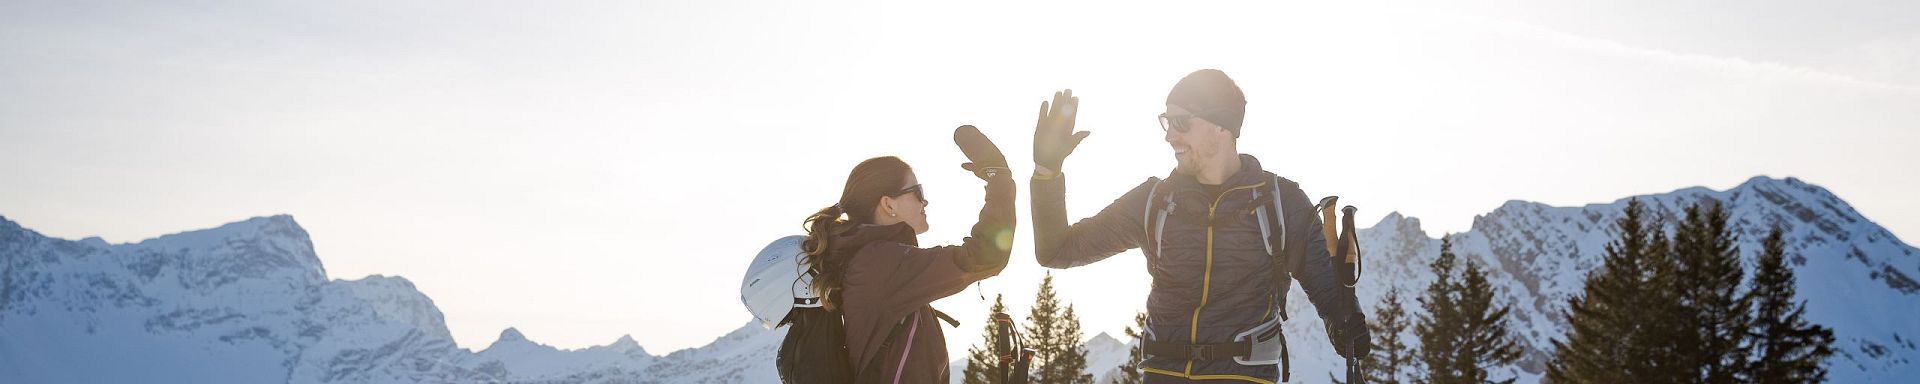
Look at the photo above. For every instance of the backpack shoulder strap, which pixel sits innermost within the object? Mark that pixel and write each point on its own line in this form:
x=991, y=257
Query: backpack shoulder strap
x=1153, y=219
x=1272, y=217
x=1282, y=259
x=1146, y=214
x=1277, y=212
x=906, y=325
x=943, y=316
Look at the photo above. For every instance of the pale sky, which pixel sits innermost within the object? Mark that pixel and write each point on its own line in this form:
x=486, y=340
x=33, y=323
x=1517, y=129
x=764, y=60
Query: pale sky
x=584, y=170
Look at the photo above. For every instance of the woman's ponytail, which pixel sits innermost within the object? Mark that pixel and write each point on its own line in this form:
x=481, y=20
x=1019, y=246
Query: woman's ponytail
x=826, y=269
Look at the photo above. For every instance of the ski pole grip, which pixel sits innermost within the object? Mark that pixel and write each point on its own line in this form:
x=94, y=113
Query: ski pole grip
x=1328, y=224
x=1347, y=235
x=1003, y=337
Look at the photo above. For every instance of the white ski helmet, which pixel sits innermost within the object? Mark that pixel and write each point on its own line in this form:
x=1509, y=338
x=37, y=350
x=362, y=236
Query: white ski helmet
x=778, y=281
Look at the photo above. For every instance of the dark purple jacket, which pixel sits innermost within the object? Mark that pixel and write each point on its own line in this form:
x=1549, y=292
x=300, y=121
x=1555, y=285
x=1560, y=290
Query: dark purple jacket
x=891, y=279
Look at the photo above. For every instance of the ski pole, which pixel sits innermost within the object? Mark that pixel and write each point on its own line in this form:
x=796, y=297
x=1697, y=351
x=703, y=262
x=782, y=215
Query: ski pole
x=1353, y=363
x=1003, y=346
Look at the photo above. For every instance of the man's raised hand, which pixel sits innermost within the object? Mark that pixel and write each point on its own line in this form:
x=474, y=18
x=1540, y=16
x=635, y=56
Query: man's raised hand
x=1053, y=135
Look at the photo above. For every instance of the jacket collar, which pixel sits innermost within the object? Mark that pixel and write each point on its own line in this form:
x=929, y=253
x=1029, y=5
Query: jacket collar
x=1250, y=173
x=852, y=238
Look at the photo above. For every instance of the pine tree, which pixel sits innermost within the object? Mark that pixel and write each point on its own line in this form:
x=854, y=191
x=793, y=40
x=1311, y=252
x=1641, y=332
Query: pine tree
x=982, y=363
x=1392, y=358
x=1787, y=349
x=1069, y=363
x=1660, y=313
x=1616, y=332
x=1712, y=314
x=1464, y=334
x=1438, y=344
x=1054, y=333
x=1130, y=371
x=1488, y=342
x=1042, y=330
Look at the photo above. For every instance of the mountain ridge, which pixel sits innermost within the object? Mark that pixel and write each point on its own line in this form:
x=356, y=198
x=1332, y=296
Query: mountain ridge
x=251, y=298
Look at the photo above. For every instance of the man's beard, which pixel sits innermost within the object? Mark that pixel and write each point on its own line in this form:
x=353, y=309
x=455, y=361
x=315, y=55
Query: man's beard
x=1189, y=165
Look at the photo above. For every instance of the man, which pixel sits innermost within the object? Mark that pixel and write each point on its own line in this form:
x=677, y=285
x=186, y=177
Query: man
x=1215, y=292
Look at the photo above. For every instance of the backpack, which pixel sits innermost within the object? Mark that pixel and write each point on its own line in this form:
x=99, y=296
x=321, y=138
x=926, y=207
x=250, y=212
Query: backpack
x=815, y=349
x=1344, y=244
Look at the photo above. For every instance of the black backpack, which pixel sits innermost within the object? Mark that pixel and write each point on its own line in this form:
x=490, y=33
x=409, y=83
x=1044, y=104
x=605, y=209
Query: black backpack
x=815, y=350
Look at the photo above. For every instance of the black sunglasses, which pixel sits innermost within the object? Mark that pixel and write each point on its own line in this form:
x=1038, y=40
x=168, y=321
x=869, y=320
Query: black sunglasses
x=916, y=191
x=1175, y=122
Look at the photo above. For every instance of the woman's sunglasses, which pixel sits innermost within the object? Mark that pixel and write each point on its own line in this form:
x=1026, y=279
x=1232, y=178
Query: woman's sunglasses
x=916, y=191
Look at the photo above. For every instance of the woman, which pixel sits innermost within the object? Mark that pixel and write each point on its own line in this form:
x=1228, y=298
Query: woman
x=873, y=271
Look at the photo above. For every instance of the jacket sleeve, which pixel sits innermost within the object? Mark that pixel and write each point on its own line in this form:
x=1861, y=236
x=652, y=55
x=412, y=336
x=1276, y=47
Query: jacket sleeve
x=1314, y=269
x=908, y=278
x=991, y=242
x=1117, y=228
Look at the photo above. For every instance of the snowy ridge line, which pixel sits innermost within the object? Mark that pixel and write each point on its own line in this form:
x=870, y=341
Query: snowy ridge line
x=248, y=302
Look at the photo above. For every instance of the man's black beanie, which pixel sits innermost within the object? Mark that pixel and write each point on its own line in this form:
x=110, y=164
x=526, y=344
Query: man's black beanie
x=1210, y=94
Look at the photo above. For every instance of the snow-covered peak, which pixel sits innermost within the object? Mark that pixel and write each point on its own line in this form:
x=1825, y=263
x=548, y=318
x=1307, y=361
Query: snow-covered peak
x=509, y=335
x=273, y=247
x=94, y=241
x=627, y=345
x=1105, y=355
x=393, y=300
x=1806, y=190
x=512, y=339
x=1395, y=222
x=1391, y=219
x=276, y=226
x=1103, y=341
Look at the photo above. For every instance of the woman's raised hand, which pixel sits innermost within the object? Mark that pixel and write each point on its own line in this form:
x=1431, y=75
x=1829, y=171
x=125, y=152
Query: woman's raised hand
x=983, y=158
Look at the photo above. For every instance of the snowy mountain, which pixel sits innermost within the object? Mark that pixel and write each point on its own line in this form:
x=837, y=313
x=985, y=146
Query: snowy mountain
x=525, y=359
x=1105, y=355
x=245, y=302
x=249, y=302
x=1854, y=275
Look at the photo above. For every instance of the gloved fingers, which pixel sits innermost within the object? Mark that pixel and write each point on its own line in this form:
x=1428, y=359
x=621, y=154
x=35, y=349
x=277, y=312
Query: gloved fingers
x=1070, y=114
x=1063, y=103
x=976, y=170
x=978, y=147
x=1040, y=123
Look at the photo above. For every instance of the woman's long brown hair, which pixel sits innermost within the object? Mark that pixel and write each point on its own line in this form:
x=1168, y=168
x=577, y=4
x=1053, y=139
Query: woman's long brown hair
x=872, y=179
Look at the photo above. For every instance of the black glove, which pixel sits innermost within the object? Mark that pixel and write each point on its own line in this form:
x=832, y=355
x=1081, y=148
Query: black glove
x=984, y=158
x=1350, y=336
x=1053, y=135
